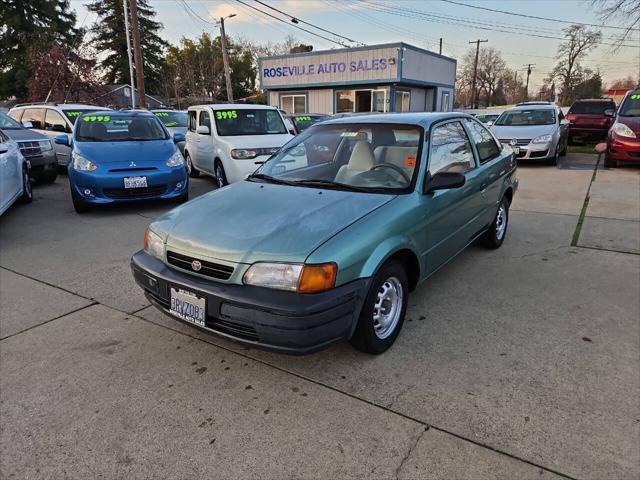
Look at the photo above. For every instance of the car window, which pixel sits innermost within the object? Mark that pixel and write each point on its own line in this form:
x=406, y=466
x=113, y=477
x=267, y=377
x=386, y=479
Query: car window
x=8, y=123
x=450, y=149
x=33, y=115
x=249, y=122
x=631, y=106
x=53, y=121
x=16, y=114
x=485, y=143
x=591, y=108
x=172, y=119
x=119, y=128
x=192, y=120
x=205, y=119
x=523, y=118
x=3, y=137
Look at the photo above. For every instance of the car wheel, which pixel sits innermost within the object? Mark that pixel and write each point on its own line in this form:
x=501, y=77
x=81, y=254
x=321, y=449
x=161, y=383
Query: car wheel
x=182, y=198
x=497, y=232
x=609, y=162
x=383, y=311
x=191, y=170
x=563, y=152
x=221, y=177
x=27, y=190
x=556, y=156
x=79, y=205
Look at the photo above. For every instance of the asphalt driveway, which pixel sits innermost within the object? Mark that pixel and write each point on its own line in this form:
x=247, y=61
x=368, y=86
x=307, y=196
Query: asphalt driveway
x=522, y=362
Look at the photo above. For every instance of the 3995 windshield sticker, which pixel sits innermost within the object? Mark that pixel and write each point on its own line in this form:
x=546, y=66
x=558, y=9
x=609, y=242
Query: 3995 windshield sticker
x=302, y=119
x=635, y=96
x=161, y=114
x=226, y=114
x=73, y=114
x=96, y=118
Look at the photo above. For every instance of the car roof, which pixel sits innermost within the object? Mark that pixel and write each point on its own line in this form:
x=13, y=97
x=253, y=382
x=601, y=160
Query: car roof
x=534, y=106
x=424, y=119
x=233, y=106
x=291, y=115
x=127, y=113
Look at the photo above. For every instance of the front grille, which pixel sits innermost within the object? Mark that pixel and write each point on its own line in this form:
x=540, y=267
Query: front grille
x=235, y=329
x=209, y=269
x=132, y=169
x=519, y=141
x=541, y=154
x=134, y=192
x=29, y=149
x=159, y=299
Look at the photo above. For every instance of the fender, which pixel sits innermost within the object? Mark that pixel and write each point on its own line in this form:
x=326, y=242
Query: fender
x=386, y=250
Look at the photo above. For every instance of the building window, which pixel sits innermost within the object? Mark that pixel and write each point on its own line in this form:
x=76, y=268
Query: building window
x=361, y=101
x=444, y=105
x=402, y=101
x=126, y=91
x=294, y=103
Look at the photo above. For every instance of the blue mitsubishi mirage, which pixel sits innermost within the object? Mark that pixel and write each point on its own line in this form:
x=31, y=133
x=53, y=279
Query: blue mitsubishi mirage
x=124, y=156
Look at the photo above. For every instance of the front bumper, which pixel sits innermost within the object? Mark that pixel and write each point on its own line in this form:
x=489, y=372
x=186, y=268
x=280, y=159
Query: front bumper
x=237, y=170
x=105, y=188
x=535, y=152
x=286, y=322
x=42, y=163
x=627, y=149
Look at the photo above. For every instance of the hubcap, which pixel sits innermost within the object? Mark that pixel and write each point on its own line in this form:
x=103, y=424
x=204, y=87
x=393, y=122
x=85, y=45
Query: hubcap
x=188, y=164
x=27, y=183
x=501, y=222
x=219, y=177
x=387, y=307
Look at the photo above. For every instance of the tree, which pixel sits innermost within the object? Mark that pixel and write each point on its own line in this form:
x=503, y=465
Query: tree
x=491, y=71
x=623, y=13
x=109, y=37
x=589, y=87
x=578, y=42
x=31, y=25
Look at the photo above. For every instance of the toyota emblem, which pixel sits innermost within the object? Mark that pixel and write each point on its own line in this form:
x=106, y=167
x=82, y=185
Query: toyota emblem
x=513, y=142
x=196, y=265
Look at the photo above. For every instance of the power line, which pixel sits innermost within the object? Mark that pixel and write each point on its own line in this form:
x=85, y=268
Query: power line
x=295, y=19
x=536, y=18
x=293, y=25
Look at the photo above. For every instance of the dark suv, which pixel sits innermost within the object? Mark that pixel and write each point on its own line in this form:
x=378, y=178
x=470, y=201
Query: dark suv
x=590, y=119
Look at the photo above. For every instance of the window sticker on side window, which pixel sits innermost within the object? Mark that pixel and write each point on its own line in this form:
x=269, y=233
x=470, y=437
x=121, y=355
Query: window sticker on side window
x=226, y=115
x=73, y=114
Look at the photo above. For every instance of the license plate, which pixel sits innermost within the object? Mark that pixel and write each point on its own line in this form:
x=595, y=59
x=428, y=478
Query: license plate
x=515, y=149
x=135, y=182
x=188, y=306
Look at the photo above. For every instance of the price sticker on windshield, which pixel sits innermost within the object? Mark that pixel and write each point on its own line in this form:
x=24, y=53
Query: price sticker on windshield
x=226, y=114
x=302, y=119
x=161, y=114
x=635, y=96
x=73, y=114
x=96, y=118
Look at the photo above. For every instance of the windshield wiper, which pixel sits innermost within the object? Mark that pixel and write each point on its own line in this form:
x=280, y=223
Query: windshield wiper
x=329, y=183
x=269, y=178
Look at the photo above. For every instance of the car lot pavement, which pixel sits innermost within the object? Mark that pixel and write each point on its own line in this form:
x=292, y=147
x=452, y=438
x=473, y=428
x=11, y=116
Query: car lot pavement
x=522, y=362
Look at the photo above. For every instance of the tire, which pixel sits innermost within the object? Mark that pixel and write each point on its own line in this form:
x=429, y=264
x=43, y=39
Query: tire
x=220, y=175
x=182, y=198
x=49, y=177
x=497, y=232
x=609, y=162
x=27, y=190
x=191, y=170
x=371, y=335
x=79, y=205
x=563, y=152
x=556, y=156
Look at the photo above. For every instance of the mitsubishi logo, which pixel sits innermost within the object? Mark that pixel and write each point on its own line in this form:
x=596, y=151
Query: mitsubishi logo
x=132, y=164
x=196, y=266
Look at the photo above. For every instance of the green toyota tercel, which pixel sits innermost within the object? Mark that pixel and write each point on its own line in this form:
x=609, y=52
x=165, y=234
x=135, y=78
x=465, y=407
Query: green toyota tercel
x=324, y=242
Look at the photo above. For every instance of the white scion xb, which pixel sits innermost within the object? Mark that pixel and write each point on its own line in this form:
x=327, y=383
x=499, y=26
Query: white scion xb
x=229, y=141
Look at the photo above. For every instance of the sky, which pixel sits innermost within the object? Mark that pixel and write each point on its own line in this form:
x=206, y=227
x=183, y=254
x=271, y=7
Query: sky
x=370, y=22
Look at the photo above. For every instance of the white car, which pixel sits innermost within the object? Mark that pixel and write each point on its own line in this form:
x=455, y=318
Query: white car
x=52, y=119
x=230, y=141
x=14, y=174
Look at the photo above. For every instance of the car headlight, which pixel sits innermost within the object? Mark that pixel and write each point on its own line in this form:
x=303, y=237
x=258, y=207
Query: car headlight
x=81, y=163
x=294, y=277
x=243, y=153
x=623, y=130
x=45, y=145
x=542, y=139
x=153, y=244
x=175, y=160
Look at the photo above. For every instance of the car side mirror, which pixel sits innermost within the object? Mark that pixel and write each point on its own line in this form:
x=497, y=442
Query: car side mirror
x=26, y=124
x=489, y=123
x=179, y=137
x=4, y=148
x=203, y=130
x=62, y=140
x=445, y=181
x=609, y=112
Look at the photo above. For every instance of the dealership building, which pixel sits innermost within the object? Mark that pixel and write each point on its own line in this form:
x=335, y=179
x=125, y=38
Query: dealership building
x=393, y=77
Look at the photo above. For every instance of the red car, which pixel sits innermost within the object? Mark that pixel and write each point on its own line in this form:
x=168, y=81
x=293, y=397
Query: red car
x=590, y=118
x=623, y=141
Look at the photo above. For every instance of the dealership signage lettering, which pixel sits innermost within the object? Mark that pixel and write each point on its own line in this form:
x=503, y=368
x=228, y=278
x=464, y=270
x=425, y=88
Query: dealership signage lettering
x=324, y=68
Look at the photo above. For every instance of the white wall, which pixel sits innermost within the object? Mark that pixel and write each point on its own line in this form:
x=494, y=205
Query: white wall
x=428, y=68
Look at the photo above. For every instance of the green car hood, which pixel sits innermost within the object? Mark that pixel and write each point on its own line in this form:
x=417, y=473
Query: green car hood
x=249, y=221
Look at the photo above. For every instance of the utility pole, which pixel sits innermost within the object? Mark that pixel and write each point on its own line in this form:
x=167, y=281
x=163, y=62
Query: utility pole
x=137, y=53
x=528, y=65
x=440, y=51
x=225, y=57
x=126, y=28
x=475, y=73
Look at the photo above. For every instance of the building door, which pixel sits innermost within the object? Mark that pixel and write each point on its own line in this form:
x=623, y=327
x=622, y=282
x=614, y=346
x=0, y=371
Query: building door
x=363, y=100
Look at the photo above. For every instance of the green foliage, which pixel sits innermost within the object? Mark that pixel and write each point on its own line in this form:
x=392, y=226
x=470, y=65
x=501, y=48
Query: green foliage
x=109, y=36
x=35, y=25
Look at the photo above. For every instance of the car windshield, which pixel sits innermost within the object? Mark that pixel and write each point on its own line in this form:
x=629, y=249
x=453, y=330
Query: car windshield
x=591, y=108
x=118, y=128
x=172, y=119
x=380, y=158
x=244, y=121
x=631, y=106
x=73, y=115
x=485, y=118
x=8, y=123
x=523, y=118
x=303, y=122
